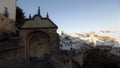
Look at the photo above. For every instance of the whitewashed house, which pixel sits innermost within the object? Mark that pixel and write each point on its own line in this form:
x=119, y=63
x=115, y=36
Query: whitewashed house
x=116, y=48
x=65, y=44
x=85, y=40
x=69, y=43
x=104, y=44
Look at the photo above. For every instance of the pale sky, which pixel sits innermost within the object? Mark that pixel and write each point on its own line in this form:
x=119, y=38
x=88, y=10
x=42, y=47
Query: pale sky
x=77, y=15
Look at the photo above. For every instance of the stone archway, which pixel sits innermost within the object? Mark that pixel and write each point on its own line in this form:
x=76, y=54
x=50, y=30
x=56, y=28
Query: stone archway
x=39, y=45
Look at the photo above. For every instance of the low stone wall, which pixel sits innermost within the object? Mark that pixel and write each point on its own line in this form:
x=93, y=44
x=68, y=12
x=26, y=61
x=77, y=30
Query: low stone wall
x=12, y=55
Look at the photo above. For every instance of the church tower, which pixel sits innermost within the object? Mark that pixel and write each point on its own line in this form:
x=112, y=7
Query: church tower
x=8, y=8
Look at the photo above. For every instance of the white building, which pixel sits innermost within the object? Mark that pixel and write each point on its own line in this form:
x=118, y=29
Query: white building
x=68, y=43
x=8, y=6
x=85, y=40
x=116, y=48
x=106, y=42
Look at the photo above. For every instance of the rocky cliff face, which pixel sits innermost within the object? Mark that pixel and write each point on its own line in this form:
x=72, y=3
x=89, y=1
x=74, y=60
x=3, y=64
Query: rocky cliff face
x=97, y=58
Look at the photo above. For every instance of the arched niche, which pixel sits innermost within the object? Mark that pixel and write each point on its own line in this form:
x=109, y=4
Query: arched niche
x=39, y=45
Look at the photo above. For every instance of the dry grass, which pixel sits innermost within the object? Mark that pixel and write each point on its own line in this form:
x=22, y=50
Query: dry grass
x=103, y=38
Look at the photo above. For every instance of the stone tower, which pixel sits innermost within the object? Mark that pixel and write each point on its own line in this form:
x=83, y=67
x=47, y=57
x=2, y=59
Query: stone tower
x=8, y=7
x=7, y=15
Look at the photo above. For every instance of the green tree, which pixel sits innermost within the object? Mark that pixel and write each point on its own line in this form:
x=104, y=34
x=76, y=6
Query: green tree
x=20, y=18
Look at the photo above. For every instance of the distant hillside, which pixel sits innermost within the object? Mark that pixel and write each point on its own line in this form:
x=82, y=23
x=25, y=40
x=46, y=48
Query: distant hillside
x=103, y=38
x=100, y=35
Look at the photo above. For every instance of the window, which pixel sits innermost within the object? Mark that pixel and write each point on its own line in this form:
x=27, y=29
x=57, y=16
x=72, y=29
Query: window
x=60, y=45
x=2, y=19
x=71, y=48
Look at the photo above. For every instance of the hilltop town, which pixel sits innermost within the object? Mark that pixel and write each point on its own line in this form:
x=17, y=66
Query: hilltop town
x=102, y=40
x=33, y=42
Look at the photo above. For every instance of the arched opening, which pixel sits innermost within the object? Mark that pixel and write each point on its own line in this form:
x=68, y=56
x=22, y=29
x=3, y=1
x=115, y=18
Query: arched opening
x=39, y=48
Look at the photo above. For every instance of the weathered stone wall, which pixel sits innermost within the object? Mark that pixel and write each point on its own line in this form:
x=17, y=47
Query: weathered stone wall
x=12, y=55
x=53, y=42
x=11, y=50
x=6, y=24
x=50, y=32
